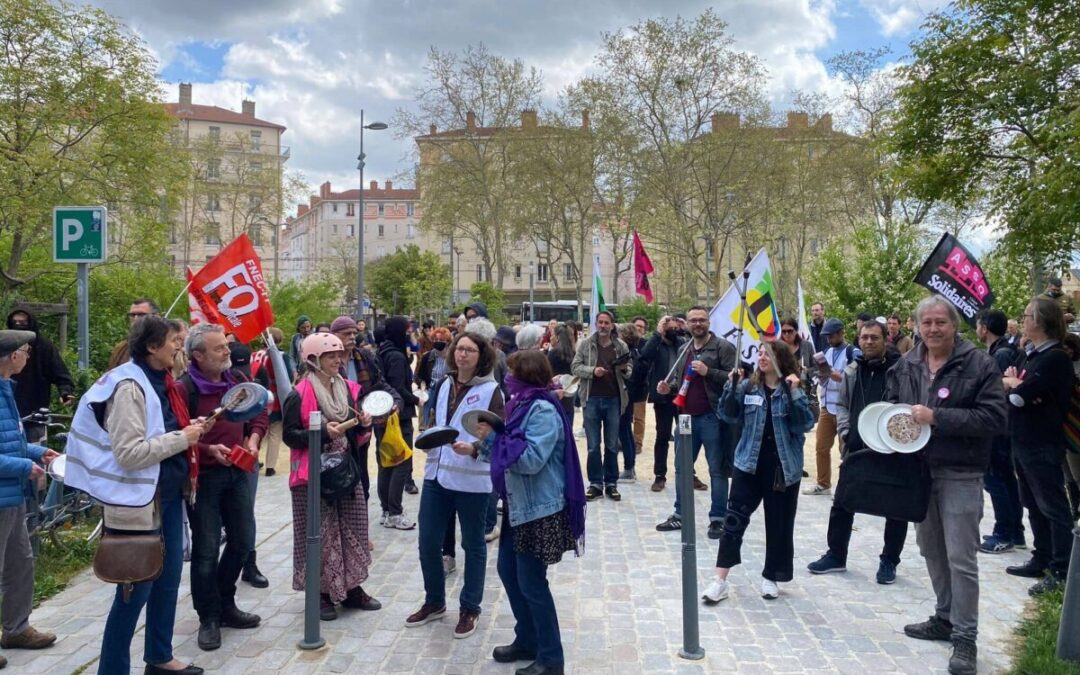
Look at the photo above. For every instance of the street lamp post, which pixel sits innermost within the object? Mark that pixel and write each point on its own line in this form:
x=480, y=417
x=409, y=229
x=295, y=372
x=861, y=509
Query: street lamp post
x=457, y=281
x=532, y=303
x=374, y=126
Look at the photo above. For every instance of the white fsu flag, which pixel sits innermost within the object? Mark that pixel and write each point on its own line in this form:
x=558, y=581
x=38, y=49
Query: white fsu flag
x=761, y=313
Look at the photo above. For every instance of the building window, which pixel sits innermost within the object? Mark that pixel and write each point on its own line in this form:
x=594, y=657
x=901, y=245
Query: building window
x=410, y=209
x=479, y=272
x=410, y=231
x=382, y=230
x=255, y=234
x=446, y=246
x=254, y=200
x=350, y=209
x=255, y=167
x=256, y=140
x=333, y=207
x=213, y=168
x=382, y=251
x=381, y=209
x=349, y=230
x=213, y=234
x=517, y=272
x=568, y=272
x=335, y=229
x=213, y=203
x=542, y=272
x=813, y=246
x=215, y=134
x=596, y=240
x=782, y=246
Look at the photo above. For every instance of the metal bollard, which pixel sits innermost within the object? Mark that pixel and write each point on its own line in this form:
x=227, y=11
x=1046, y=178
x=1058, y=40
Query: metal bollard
x=1068, y=647
x=313, y=560
x=691, y=648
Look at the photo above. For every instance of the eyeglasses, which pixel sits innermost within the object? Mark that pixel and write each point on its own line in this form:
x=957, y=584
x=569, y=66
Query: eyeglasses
x=697, y=321
x=466, y=350
x=787, y=331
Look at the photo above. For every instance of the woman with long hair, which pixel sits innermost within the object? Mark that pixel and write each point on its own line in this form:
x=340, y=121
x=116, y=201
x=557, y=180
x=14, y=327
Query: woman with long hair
x=346, y=552
x=775, y=416
x=560, y=356
x=535, y=469
x=804, y=356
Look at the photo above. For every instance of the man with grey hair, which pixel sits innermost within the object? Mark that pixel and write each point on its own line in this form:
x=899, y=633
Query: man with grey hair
x=529, y=337
x=224, y=491
x=956, y=389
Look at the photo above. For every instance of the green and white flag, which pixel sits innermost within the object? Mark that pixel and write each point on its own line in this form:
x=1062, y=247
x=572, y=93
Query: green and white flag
x=597, y=301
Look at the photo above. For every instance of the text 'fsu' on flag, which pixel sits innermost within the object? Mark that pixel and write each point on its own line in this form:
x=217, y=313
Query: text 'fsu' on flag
x=759, y=317
x=597, y=304
x=231, y=291
x=953, y=273
x=643, y=267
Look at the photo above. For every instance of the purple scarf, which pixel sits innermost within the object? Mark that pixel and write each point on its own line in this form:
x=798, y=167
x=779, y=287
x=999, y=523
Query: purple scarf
x=510, y=445
x=205, y=386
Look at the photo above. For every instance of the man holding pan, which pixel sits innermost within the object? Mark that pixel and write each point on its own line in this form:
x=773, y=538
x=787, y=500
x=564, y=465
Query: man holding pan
x=224, y=491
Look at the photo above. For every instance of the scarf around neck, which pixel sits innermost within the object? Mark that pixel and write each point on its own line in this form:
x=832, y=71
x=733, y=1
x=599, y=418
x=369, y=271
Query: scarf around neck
x=510, y=445
x=205, y=386
x=333, y=399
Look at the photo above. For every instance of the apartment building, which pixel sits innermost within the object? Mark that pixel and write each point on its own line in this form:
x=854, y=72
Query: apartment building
x=235, y=184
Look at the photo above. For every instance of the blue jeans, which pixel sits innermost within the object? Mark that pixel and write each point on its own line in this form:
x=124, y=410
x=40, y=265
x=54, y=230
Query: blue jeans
x=524, y=577
x=435, y=502
x=224, y=498
x=159, y=597
x=707, y=430
x=602, y=411
x=1000, y=483
x=491, y=516
x=626, y=438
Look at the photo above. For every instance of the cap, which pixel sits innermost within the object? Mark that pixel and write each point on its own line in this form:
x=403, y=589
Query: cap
x=832, y=326
x=342, y=323
x=10, y=340
x=506, y=335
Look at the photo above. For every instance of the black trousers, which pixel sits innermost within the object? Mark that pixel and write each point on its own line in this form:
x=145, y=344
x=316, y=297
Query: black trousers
x=665, y=414
x=1042, y=492
x=840, y=522
x=748, y=490
x=392, y=480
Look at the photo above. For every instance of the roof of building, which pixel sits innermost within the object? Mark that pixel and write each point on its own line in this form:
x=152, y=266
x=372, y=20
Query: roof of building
x=212, y=113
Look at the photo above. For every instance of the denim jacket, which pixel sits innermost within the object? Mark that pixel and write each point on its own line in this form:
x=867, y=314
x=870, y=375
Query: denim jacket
x=536, y=483
x=791, y=417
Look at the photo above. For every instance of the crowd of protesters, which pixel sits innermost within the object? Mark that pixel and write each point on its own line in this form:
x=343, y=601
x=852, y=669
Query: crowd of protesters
x=997, y=408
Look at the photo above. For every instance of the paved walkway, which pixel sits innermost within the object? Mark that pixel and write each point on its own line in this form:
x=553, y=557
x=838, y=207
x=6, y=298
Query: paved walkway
x=619, y=605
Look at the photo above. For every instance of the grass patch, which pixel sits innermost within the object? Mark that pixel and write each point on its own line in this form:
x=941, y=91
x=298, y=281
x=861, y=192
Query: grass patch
x=1037, y=640
x=57, y=565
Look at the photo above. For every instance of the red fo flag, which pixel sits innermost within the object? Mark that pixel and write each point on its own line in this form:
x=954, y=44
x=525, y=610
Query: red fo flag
x=231, y=291
x=642, y=269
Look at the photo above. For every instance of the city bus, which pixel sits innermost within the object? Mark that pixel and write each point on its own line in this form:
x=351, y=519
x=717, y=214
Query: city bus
x=560, y=310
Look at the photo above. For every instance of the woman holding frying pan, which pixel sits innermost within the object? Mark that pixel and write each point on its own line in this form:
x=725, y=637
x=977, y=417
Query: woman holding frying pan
x=346, y=553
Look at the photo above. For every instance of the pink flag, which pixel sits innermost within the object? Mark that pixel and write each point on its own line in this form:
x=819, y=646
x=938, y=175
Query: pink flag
x=642, y=269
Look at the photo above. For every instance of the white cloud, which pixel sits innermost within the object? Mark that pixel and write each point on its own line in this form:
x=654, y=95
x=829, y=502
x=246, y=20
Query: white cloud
x=899, y=17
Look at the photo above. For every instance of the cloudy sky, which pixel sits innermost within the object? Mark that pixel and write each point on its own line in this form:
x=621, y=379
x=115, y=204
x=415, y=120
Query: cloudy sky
x=313, y=64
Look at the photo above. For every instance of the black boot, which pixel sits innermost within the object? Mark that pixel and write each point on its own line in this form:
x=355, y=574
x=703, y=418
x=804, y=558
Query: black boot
x=252, y=575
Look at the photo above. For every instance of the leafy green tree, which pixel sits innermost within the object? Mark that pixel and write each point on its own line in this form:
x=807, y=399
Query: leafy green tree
x=409, y=281
x=315, y=299
x=80, y=123
x=492, y=298
x=988, y=108
x=871, y=272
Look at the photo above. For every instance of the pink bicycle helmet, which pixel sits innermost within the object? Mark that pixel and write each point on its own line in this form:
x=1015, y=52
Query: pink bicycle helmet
x=317, y=344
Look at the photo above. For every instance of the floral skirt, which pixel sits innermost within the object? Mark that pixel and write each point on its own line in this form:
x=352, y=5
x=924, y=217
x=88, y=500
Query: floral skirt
x=546, y=538
x=345, y=553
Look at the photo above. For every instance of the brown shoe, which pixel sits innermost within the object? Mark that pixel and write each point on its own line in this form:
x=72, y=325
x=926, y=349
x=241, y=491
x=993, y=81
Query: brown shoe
x=659, y=484
x=698, y=485
x=466, y=625
x=30, y=638
x=3, y=663
x=358, y=599
x=425, y=614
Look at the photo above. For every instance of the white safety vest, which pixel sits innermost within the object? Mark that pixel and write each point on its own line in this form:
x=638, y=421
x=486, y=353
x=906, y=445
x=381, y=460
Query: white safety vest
x=91, y=464
x=451, y=470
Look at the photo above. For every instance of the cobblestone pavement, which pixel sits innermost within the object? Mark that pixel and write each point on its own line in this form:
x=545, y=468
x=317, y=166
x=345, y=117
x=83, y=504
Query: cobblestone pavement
x=619, y=605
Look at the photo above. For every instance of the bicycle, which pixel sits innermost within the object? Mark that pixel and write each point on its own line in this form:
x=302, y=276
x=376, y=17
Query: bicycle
x=59, y=511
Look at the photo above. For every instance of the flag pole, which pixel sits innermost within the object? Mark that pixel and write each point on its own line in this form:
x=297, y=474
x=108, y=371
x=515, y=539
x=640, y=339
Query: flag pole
x=181, y=294
x=742, y=306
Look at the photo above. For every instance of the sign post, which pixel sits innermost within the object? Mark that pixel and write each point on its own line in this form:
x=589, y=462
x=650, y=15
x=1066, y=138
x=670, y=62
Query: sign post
x=79, y=236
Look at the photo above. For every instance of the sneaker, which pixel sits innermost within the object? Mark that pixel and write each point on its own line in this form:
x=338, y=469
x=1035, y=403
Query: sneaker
x=410, y=488
x=327, y=611
x=629, y=476
x=817, y=490
x=270, y=472
x=383, y=518
x=493, y=535
x=934, y=628
x=826, y=564
x=1051, y=582
x=716, y=591
x=1030, y=570
x=593, y=493
x=580, y=433
x=769, y=589
x=425, y=614
x=659, y=484
x=449, y=564
x=672, y=524
x=698, y=485
x=400, y=522
x=996, y=545
x=716, y=528
x=31, y=638
x=963, y=658
x=886, y=573
x=612, y=493
x=466, y=625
